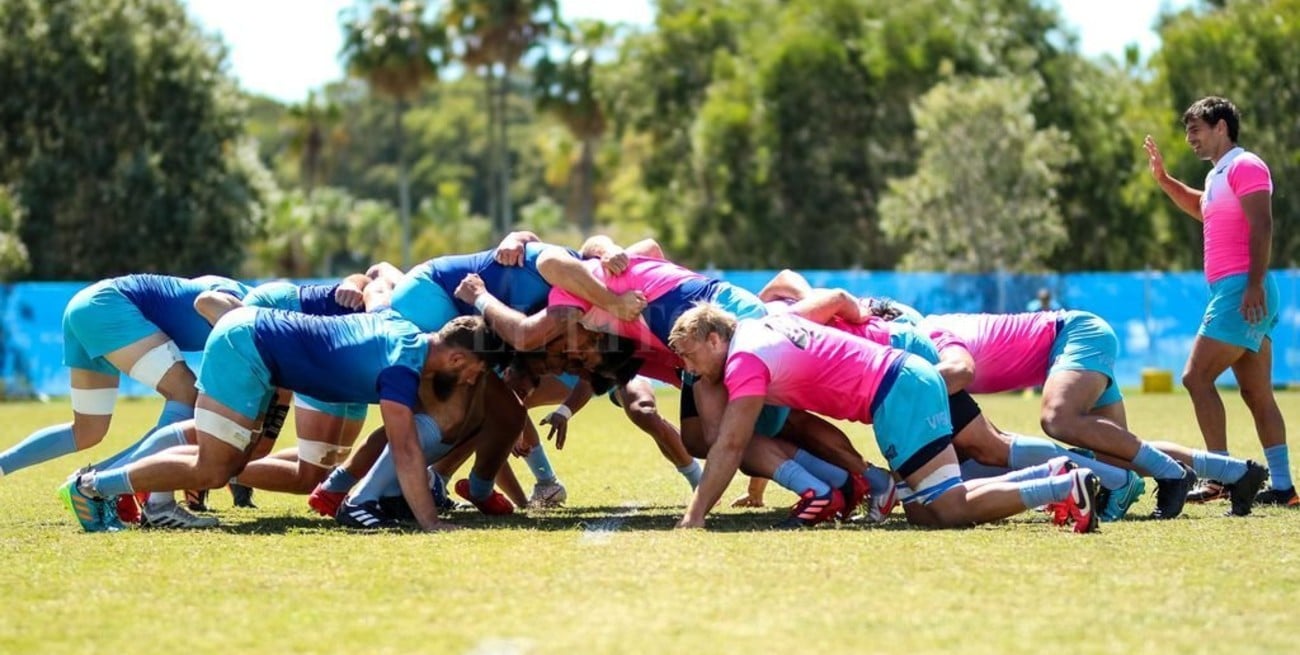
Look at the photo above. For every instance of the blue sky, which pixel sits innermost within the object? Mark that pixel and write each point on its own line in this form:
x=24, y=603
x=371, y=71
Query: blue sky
x=284, y=48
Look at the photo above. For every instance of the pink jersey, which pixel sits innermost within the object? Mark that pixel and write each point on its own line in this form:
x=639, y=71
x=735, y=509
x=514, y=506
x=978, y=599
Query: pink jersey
x=654, y=278
x=796, y=363
x=1226, y=230
x=1011, y=351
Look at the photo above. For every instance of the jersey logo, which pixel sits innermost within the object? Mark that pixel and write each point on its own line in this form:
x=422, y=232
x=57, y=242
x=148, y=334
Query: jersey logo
x=797, y=334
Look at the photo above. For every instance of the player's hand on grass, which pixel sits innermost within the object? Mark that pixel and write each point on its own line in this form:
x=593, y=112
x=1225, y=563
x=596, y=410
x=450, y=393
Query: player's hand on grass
x=747, y=500
x=470, y=289
x=1254, y=304
x=688, y=523
x=559, y=422
x=1154, y=159
x=440, y=526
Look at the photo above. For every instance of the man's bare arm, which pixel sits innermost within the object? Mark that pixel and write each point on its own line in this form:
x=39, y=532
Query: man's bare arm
x=724, y=458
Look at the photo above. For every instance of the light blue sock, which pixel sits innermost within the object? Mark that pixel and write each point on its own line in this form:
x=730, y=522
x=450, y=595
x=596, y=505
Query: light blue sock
x=174, y=412
x=1035, y=472
x=877, y=478
x=973, y=470
x=824, y=470
x=1027, y=451
x=382, y=480
x=159, y=440
x=479, y=488
x=692, y=473
x=41, y=446
x=1218, y=467
x=1279, y=466
x=340, y=481
x=540, y=465
x=111, y=483
x=1157, y=464
x=1035, y=493
x=797, y=479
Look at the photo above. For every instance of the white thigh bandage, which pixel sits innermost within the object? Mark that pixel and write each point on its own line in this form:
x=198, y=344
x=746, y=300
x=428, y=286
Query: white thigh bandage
x=222, y=428
x=153, y=365
x=97, y=402
x=937, y=483
x=321, y=454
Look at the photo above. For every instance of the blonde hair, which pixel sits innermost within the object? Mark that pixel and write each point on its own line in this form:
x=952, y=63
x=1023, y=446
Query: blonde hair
x=699, y=322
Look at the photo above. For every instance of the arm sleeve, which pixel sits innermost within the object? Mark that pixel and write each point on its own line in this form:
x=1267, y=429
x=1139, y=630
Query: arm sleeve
x=1248, y=175
x=400, y=384
x=746, y=376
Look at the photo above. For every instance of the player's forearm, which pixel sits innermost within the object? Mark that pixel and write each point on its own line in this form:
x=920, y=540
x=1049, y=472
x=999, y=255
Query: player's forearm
x=824, y=304
x=646, y=248
x=212, y=305
x=1185, y=197
x=578, y=397
x=1261, y=244
x=719, y=469
x=413, y=477
x=561, y=270
x=520, y=331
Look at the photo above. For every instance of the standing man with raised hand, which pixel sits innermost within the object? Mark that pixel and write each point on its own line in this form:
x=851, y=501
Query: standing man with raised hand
x=1236, y=212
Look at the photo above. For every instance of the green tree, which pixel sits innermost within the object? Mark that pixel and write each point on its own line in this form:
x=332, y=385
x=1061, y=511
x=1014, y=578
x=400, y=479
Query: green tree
x=493, y=36
x=314, y=134
x=13, y=254
x=565, y=88
x=1245, y=51
x=983, y=197
x=392, y=46
x=122, y=139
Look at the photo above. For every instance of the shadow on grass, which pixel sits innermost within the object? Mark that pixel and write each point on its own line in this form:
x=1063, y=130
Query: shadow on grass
x=593, y=519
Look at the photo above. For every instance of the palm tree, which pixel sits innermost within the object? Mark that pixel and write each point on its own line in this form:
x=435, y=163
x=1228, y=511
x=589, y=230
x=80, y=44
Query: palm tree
x=396, y=51
x=313, y=125
x=566, y=89
x=492, y=34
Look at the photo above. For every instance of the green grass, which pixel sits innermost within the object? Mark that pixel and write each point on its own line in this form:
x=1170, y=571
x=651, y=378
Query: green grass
x=280, y=579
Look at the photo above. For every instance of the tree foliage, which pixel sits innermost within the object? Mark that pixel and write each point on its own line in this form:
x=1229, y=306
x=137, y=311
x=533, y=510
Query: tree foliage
x=121, y=138
x=983, y=197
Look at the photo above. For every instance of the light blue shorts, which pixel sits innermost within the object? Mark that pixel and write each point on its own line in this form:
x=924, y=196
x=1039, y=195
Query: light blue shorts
x=345, y=411
x=275, y=295
x=422, y=302
x=739, y=302
x=907, y=313
x=910, y=414
x=233, y=372
x=1223, y=320
x=97, y=321
x=1085, y=342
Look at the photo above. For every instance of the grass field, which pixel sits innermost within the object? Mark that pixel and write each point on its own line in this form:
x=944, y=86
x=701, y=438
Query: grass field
x=609, y=574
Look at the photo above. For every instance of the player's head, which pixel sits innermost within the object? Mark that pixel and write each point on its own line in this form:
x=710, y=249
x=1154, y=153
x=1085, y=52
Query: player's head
x=701, y=337
x=1211, y=126
x=469, y=348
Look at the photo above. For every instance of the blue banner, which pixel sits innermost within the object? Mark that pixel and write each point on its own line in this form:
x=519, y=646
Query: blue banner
x=1155, y=314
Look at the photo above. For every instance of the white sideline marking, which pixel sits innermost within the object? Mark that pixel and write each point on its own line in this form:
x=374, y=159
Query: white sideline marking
x=502, y=646
x=600, y=532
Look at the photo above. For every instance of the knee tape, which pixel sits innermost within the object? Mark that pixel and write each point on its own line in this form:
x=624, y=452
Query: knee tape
x=937, y=483
x=222, y=428
x=321, y=454
x=96, y=402
x=153, y=365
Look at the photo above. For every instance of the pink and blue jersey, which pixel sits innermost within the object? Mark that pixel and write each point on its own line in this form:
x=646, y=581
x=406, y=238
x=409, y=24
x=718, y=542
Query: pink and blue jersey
x=1011, y=351
x=793, y=362
x=1227, y=233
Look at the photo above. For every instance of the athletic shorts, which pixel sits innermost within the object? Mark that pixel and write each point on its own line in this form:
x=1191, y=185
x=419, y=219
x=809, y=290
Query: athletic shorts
x=422, y=302
x=233, y=372
x=770, y=421
x=1085, y=342
x=346, y=411
x=1223, y=320
x=97, y=321
x=910, y=415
